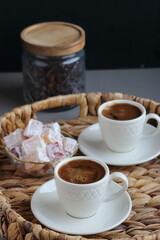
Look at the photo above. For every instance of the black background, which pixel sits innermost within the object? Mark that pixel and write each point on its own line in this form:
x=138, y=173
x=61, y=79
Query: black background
x=119, y=33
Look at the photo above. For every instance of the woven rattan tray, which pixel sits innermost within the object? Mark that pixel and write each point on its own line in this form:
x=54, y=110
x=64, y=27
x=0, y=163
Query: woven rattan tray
x=16, y=219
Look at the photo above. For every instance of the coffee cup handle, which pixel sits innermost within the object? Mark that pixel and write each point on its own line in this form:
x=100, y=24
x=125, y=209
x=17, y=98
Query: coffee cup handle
x=123, y=188
x=157, y=129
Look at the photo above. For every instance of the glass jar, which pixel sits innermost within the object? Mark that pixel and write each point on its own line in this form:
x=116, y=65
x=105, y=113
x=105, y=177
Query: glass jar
x=53, y=60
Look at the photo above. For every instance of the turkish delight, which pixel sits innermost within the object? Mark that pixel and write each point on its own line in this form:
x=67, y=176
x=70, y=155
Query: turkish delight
x=69, y=144
x=50, y=137
x=18, y=152
x=39, y=169
x=55, y=127
x=33, y=166
x=32, y=143
x=40, y=143
x=14, y=139
x=33, y=128
x=39, y=154
x=55, y=152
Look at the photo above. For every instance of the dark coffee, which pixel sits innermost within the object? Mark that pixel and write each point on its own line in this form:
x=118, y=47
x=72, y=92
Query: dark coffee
x=81, y=171
x=121, y=111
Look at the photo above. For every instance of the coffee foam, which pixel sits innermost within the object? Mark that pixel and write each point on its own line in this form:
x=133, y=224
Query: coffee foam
x=81, y=171
x=121, y=111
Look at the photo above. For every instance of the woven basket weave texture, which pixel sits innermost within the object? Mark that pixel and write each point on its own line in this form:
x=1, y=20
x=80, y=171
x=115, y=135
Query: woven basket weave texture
x=16, y=219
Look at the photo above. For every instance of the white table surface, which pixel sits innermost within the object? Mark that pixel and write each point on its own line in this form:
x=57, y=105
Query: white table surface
x=143, y=83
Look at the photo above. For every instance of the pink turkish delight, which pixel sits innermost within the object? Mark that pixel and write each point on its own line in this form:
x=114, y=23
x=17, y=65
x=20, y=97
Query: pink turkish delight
x=69, y=144
x=55, y=128
x=14, y=139
x=38, y=155
x=39, y=143
x=33, y=166
x=41, y=169
x=18, y=152
x=55, y=152
x=50, y=137
x=32, y=143
x=33, y=128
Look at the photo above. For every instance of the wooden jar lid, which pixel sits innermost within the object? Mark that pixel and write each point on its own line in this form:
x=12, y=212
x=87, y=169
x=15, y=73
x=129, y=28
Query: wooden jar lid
x=53, y=38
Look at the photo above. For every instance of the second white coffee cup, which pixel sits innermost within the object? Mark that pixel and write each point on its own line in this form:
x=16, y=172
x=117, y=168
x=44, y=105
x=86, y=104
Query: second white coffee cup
x=124, y=135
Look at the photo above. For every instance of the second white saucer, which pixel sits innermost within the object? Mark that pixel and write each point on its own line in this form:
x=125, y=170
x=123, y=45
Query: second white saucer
x=91, y=144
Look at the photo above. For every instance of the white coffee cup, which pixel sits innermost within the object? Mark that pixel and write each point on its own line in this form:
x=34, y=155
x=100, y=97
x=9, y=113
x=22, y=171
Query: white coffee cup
x=83, y=200
x=124, y=135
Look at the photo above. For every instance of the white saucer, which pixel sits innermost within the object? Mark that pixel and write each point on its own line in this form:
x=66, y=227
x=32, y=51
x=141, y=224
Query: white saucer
x=91, y=144
x=47, y=209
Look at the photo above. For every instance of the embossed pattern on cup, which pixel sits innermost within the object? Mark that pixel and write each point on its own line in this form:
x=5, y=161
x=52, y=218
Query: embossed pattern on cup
x=124, y=130
x=124, y=135
x=84, y=200
x=82, y=194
